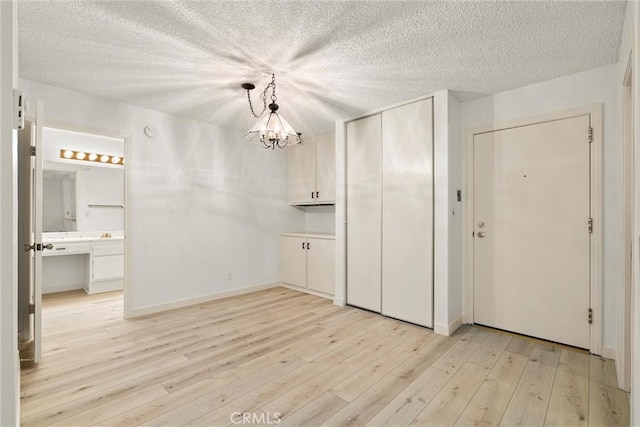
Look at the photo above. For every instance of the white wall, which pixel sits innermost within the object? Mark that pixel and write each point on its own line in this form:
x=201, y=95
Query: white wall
x=578, y=90
x=100, y=186
x=9, y=361
x=455, y=212
x=64, y=273
x=320, y=219
x=202, y=202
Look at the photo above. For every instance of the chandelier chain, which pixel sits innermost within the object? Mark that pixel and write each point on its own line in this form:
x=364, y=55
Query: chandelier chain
x=263, y=96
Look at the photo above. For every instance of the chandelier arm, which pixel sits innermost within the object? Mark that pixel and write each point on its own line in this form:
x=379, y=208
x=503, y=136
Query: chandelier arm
x=263, y=96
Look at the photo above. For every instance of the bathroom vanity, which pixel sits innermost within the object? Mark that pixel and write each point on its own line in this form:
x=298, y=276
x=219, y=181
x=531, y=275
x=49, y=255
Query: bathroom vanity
x=92, y=261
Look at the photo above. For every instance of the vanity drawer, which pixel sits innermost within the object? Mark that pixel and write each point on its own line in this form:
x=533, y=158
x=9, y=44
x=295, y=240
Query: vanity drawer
x=104, y=250
x=67, y=249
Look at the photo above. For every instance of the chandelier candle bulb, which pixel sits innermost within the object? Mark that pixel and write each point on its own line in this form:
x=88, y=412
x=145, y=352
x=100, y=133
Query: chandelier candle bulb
x=271, y=130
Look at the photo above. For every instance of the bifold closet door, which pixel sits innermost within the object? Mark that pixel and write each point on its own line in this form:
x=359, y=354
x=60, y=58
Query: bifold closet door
x=364, y=222
x=407, y=213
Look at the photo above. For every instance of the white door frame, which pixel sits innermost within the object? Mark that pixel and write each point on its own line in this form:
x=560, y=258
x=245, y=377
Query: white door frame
x=595, y=111
x=625, y=354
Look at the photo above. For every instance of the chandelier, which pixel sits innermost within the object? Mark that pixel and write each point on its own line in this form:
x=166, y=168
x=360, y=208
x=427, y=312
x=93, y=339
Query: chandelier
x=271, y=130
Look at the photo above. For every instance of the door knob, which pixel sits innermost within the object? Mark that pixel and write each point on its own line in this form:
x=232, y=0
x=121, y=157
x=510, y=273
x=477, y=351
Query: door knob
x=47, y=246
x=481, y=234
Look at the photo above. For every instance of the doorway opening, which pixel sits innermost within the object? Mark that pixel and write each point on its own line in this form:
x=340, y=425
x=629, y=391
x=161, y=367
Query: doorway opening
x=71, y=224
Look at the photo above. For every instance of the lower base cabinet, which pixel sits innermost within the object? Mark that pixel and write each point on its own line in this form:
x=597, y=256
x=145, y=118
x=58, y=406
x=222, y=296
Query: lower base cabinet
x=308, y=262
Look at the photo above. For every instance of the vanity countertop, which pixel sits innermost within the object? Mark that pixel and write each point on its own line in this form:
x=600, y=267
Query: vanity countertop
x=80, y=236
x=310, y=234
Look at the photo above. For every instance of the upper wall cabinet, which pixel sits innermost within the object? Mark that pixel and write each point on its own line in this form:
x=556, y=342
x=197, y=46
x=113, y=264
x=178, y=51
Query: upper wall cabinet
x=312, y=172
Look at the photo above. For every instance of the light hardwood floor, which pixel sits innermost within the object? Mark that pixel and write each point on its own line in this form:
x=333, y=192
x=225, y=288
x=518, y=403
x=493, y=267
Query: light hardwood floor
x=285, y=357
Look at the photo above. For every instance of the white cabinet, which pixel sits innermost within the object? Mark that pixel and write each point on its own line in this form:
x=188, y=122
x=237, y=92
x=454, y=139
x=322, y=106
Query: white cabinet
x=107, y=266
x=294, y=260
x=100, y=270
x=312, y=172
x=308, y=262
x=321, y=265
x=390, y=212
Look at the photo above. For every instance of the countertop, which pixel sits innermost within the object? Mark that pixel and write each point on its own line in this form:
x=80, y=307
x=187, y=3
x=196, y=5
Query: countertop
x=309, y=234
x=80, y=236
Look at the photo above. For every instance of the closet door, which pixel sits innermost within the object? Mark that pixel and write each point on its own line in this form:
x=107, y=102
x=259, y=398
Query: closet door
x=364, y=213
x=407, y=213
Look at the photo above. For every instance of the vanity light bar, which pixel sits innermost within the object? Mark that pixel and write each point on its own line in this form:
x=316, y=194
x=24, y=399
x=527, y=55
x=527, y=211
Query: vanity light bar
x=91, y=157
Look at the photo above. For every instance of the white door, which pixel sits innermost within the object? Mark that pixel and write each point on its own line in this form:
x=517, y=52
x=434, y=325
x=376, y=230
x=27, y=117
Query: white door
x=407, y=213
x=294, y=260
x=321, y=265
x=30, y=238
x=37, y=234
x=531, y=243
x=302, y=174
x=364, y=213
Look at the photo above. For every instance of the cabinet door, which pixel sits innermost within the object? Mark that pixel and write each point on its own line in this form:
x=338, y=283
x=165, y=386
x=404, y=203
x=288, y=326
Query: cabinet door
x=107, y=267
x=321, y=265
x=364, y=213
x=326, y=170
x=302, y=174
x=407, y=213
x=294, y=260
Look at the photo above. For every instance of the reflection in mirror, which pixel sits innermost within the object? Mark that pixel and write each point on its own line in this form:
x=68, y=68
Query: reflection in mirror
x=81, y=195
x=59, y=200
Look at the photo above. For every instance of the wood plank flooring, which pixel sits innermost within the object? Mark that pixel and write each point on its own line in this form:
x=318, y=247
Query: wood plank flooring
x=283, y=357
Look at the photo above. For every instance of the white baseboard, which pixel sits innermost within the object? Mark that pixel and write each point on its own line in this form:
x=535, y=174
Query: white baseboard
x=339, y=301
x=63, y=288
x=306, y=291
x=449, y=329
x=610, y=352
x=143, y=311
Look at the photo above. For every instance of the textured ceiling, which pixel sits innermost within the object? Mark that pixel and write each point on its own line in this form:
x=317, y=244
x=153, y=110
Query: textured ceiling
x=332, y=59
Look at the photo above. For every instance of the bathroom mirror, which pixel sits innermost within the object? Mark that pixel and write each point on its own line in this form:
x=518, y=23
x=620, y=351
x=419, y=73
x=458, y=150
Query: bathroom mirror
x=59, y=200
x=81, y=191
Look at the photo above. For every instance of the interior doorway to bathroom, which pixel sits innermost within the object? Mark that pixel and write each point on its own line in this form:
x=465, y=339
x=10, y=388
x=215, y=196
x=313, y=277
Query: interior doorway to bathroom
x=71, y=225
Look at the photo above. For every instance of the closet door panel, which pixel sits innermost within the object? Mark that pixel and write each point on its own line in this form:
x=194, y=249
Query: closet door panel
x=407, y=213
x=364, y=200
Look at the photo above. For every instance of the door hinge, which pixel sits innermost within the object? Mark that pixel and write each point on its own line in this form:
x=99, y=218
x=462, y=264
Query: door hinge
x=590, y=225
x=590, y=134
x=18, y=109
x=32, y=308
x=32, y=150
x=590, y=318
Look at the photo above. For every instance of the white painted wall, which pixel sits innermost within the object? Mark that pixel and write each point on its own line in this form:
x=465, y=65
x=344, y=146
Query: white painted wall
x=202, y=202
x=9, y=360
x=454, y=117
x=320, y=219
x=100, y=186
x=64, y=273
x=582, y=89
x=96, y=185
